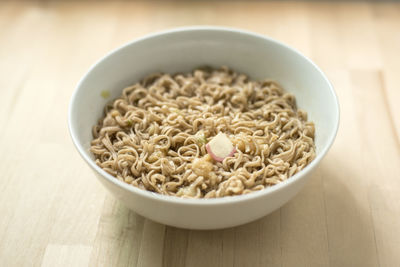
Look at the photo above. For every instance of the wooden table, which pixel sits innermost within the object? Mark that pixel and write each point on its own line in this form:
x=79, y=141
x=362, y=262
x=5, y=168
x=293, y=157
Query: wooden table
x=53, y=212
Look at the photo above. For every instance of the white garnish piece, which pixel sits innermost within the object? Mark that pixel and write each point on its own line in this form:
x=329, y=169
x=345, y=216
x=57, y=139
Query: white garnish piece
x=220, y=147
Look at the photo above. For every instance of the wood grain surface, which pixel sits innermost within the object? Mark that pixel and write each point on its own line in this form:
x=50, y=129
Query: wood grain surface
x=53, y=212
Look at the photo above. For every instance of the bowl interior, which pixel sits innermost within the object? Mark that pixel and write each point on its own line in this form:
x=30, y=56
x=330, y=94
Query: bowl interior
x=185, y=49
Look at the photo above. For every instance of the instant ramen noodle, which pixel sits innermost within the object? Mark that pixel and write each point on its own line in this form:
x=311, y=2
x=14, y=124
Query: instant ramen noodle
x=205, y=134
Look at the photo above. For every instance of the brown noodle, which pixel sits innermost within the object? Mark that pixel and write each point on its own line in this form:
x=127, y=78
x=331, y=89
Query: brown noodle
x=153, y=136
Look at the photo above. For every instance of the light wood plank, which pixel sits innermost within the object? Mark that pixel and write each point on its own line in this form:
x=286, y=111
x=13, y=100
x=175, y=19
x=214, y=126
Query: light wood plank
x=54, y=212
x=151, y=248
x=175, y=247
x=381, y=161
x=387, y=29
x=304, y=233
x=351, y=233
x=326, y=40
x=361, y=47
x=259, y=243
x=64, y=255
x=119, y=236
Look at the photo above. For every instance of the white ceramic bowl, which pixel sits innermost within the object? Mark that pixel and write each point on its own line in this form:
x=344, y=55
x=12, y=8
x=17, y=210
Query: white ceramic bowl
x=181, y=50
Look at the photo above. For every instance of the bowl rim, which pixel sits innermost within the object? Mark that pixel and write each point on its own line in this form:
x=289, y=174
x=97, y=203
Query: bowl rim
x=202, y=201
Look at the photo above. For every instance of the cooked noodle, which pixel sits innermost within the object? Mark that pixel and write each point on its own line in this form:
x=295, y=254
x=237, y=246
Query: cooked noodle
x=153, y=136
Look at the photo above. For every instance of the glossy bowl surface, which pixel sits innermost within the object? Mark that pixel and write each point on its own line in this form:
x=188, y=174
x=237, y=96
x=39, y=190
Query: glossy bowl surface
x=182, y=50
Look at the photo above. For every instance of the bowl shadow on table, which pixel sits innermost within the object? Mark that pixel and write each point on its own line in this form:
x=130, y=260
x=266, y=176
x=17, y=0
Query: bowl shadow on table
x=325, y=213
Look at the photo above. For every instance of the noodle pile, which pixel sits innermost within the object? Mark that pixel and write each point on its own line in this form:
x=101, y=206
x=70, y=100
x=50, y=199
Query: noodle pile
x=153, y=136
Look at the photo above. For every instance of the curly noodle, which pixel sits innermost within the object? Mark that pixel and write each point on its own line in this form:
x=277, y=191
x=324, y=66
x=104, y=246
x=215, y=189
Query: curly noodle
x=153, y=136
